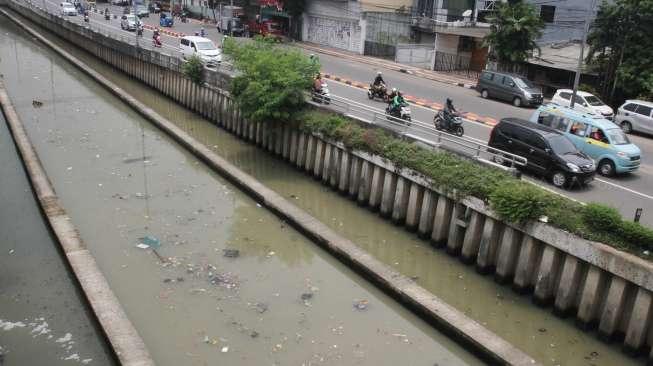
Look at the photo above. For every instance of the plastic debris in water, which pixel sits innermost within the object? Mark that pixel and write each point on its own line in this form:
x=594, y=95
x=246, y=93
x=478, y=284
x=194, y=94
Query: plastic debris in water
x=150, y=241
x=231, y=253
x=361, y=304
x=225, y=349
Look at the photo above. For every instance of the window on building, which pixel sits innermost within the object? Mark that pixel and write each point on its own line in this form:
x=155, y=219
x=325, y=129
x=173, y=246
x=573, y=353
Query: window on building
x=465, y=44
x=547, y=13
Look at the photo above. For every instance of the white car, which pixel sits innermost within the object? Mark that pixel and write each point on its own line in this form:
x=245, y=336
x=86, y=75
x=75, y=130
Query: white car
x=635, y=115
x=202, y=47
x=68, y=9
x=584, y=102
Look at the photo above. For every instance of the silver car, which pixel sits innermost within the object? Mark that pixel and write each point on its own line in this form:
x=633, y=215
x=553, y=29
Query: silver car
x=129, y=22
x=635, y=115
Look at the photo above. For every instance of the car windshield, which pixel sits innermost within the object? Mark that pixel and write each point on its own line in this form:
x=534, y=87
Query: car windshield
x=131, y=18
x=523, y=83
x=561, y=145
x=141, y=8
x=592, y=100
x=205, y=46
x=617, y=136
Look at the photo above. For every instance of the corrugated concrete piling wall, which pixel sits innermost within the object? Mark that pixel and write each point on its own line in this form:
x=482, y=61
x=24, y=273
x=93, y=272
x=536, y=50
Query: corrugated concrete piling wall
x=600, y=286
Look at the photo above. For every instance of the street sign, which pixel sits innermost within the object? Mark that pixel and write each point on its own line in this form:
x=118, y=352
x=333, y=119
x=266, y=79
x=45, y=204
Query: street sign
x=638, y=214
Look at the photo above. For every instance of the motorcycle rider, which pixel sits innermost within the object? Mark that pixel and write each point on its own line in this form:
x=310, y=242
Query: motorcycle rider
x=449, y=112
x=378, y=83
x=156, y=36
x=202, y=32
x=392, y=95
x=317, y=84
x=397, y=102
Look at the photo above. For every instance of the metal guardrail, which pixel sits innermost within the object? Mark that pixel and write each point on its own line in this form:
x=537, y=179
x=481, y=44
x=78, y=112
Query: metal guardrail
x=425, y=133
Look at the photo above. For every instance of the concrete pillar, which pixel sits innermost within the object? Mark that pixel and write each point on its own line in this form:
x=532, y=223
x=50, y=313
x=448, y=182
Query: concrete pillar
x=259, y=133
x=376, y=187
x=345, y=171
x=472, y=239
x=278, y=139
x=415, y=197
x=354, y=176
x=565, y=299
x=326, y=165
x=639, y=323
x=294, y=141
x=457, y=227
x=334, y=167
x=285, y=150
x=427, y=214
x=507, y=255
x=319, y=158
x=311, y=150
x=486, y=258
x=365, y=186
x=590, y=298
x=252, y=131
x=441, y=220
x=302, y=150
x=388, y=195
x=613, y=308
x=547, y=276
x=526, y=262
x=400, y=204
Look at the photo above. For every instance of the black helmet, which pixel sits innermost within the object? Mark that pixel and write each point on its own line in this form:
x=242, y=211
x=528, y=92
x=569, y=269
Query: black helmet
x=449, y=101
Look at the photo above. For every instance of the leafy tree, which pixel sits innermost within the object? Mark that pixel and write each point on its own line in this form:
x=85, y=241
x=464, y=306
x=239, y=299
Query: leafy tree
x=272, y=80
x=621, y=48
x=514, y=28
x=193, y=68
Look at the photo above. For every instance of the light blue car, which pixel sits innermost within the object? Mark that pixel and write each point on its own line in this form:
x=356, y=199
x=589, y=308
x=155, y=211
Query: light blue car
x=594, y=135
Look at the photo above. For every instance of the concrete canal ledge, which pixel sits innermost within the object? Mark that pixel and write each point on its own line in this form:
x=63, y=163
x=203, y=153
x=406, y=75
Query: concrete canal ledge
x=486, y=344
x=124, y=340
x=600, y=286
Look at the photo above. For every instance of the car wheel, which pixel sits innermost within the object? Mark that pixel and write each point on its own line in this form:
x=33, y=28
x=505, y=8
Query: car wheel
x=516, y=102
x=606, y=167
x=626, y=127
x=559, y=179
x=485, y=94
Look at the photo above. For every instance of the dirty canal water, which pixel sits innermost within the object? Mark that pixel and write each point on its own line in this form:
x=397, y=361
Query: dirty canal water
x=206, y=275
x=42, y=314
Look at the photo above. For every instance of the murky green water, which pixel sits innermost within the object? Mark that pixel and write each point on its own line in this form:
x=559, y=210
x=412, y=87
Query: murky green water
x=43, y=317
x=280, y=301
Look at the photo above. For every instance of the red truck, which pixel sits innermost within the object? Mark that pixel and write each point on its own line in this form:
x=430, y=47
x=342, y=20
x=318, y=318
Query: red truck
x=266, y=28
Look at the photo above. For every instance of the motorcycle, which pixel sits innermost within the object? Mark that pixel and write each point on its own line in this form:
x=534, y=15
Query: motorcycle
x=86, y=20
x=107, y=16
x=402, y=113
x=139, y=30
x=323, y=95
x=378, y=92
x=156, y=41
x=455, y=125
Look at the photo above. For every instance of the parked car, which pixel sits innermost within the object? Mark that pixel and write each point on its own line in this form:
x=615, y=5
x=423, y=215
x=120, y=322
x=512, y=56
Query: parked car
x=120, y=2
x=142, y=12
x=635, y=115
x=202, y=47
x=584, y=102
x=594, y=135
x=549, y=152
x=154, y=8
x=129, y=22
x=165, y=20
x=67, y=9
x=510, y=87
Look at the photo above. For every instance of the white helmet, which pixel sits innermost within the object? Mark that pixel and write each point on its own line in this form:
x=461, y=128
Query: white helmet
x=394, y=90
x=378, y=73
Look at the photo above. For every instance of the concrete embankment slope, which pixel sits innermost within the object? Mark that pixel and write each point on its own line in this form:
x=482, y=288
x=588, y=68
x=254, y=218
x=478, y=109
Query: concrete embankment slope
x=125, y=341
x=488, y=345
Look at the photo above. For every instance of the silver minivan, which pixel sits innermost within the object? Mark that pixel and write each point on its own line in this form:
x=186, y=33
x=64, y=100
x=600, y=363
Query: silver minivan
x=510, y=87
x=635, y=115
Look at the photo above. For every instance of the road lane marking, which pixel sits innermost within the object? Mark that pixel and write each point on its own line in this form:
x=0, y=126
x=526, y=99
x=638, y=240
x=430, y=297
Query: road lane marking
x=625, y=188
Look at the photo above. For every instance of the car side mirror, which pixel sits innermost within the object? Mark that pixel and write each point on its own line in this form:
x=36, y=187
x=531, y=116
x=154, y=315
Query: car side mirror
x=512, y=85
x=548, y=151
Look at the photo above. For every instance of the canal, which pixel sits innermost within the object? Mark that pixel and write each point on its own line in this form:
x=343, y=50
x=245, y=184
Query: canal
x=551, y=340
x=228, y=282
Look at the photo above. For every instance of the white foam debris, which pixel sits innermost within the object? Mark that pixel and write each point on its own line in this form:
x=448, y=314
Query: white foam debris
x=40, y=329
x=65, y=338
x=7, y=325
x=74, y=357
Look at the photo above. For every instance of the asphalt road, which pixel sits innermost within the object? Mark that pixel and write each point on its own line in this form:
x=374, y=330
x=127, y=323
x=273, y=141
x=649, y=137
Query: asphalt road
x=626, y=192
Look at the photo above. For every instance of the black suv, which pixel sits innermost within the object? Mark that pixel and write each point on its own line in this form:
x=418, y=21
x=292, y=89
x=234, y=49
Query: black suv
x=548, y=151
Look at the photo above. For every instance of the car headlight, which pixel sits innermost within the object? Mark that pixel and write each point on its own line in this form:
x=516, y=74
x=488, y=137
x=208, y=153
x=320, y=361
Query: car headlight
x=573, y=167
x=528, y=95
x=622, y=155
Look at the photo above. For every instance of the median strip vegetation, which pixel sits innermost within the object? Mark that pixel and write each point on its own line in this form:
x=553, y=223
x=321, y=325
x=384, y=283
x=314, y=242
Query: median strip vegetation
x=272, y=86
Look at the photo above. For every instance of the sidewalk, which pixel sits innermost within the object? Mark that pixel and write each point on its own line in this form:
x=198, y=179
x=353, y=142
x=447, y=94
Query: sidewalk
x=391, y=65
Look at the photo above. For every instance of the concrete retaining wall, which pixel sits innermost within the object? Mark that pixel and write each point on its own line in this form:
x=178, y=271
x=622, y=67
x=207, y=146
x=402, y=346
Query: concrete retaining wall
x=597, y=284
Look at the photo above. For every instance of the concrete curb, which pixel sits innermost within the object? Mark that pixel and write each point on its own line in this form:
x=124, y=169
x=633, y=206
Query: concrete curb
x=164, y=31
x=488, y=345
x=123, y=337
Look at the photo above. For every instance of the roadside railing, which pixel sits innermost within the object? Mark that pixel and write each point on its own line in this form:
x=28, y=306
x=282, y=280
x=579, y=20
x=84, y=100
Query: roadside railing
x=423, y=132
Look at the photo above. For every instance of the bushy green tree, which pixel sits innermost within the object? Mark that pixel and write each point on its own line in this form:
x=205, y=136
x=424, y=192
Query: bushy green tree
x=192, y=68
x=621, y=48
x=272, y=80
x=514, y=28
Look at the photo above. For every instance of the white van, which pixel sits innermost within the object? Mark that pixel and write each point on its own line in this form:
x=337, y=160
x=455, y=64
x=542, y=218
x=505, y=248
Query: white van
x=202, y=47
x=585, y=103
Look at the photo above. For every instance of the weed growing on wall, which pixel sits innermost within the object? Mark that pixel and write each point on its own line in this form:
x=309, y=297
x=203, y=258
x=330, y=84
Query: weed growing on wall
x=192, y=69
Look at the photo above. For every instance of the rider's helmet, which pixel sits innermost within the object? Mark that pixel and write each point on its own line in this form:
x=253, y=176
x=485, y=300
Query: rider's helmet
x=394, y=90
x=449, y=101
x=378, y=73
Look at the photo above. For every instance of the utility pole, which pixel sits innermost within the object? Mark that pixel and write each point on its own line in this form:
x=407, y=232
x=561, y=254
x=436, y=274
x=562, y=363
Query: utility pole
x=586, y=28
